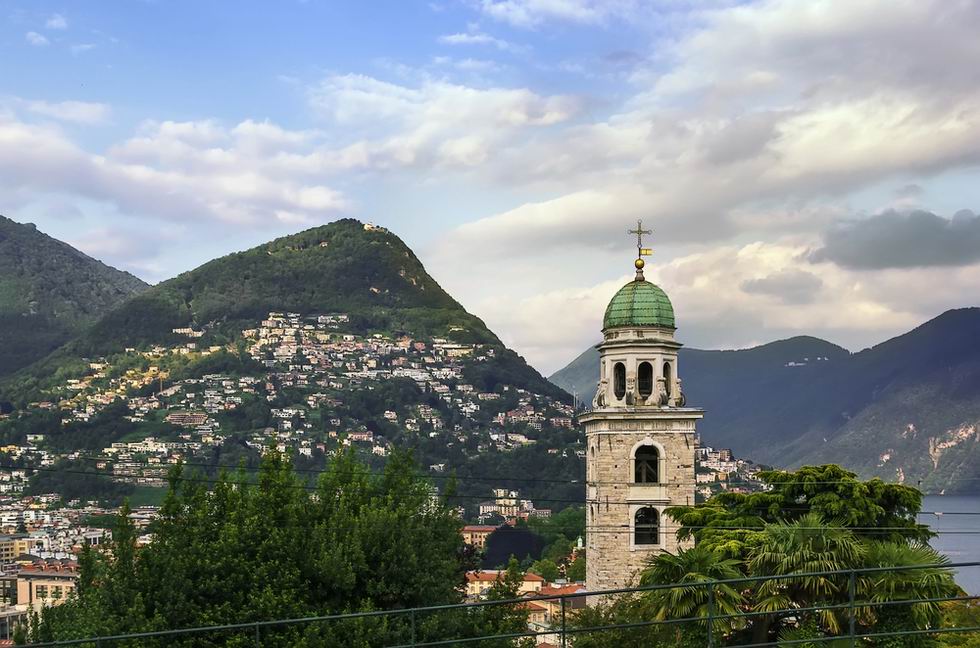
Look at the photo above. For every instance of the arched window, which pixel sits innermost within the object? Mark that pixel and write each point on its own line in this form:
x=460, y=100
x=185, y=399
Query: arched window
x=647, y=462
x=644, y=379
x=619, y=380
x=667, y=380
x=646, y=527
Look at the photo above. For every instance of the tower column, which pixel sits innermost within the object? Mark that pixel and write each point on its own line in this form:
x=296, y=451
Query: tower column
x=640, y=437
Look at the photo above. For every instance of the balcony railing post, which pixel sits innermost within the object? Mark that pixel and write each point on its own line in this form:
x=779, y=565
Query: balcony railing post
x=413, y=626
x=258, y=637
x=562, y=602
x=851, y=592
x=711, y=615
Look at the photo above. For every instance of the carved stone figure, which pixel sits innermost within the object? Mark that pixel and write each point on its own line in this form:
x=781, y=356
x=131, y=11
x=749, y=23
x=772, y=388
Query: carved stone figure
x=659, y=395
x=681, y=398
x=630, y=389
x=599, y=400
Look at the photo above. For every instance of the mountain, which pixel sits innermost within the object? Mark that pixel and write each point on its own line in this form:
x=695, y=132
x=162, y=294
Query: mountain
x=346, y=267
x=332, y=337
x=50, y=292
x=907, y=409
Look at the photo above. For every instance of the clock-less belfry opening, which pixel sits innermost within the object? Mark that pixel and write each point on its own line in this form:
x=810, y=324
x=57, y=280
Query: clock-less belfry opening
x=640, y=434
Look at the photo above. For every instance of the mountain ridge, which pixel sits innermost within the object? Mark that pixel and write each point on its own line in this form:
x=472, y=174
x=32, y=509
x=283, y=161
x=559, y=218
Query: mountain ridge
x=853, y=408
x=49, y=292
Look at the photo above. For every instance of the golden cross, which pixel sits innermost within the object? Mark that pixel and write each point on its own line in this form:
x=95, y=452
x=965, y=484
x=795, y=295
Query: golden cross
x=639, y=231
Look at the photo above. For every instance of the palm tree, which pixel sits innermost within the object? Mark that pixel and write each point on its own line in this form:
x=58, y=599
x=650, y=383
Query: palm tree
x=808, y=545
x=899, y=583
x=694, y=569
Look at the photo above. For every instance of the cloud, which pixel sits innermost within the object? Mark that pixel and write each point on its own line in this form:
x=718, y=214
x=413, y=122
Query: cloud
x=911, y=190
x=56, y=21
x=777, y=106
x=79, y=112
x=81, y=48
x=707, y=288
x=479, y=38
x=435, y=124
x=789, y=286
x=902, y=240
x=36, y=39
x=173, y=171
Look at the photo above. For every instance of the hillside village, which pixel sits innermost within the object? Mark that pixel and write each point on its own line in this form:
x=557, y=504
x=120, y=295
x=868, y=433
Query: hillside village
x=304, y=385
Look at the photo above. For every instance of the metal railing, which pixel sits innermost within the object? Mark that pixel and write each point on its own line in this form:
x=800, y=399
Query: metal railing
x=561, y=628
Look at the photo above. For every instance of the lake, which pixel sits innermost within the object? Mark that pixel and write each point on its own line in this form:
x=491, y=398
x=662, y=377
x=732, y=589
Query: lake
x=959, y=535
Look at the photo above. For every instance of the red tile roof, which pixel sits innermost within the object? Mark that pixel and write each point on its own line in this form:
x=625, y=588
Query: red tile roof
x=494, y=574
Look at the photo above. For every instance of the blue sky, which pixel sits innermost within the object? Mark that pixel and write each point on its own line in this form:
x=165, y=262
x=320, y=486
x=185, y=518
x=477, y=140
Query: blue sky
x=774, y=146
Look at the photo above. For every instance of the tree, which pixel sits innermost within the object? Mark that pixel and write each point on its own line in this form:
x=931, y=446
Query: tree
x=630, y=609
x=576, y=570
x=265, y=547
x=905, y=579
x=559, y=550
x=783, y=538
x=546, y=569
x=874, y=509
x=807, y=545
x=693, y=568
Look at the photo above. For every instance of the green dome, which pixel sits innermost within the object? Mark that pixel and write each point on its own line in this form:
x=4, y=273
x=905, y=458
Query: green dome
x=639, y=303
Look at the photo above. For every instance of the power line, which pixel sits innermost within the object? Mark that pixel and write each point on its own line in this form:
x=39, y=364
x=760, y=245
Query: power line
x=593, y=528
x=474, y=478
x=311, y=487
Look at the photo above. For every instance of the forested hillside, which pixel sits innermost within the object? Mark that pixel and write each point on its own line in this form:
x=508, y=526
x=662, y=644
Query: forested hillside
x=50, y=292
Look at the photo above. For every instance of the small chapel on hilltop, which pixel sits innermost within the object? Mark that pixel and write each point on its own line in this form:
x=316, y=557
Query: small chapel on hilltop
x=640, y=435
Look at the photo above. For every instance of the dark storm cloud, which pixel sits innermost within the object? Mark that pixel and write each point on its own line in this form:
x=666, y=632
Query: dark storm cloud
x=902, y=240
x=790, y=286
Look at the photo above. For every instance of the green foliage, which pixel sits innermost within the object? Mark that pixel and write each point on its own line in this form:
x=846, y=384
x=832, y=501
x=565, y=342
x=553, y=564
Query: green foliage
x=805, y=545
x=880, y=510
x=78, y=480
x=961, y=614
x=622, y=610
x=692, y=568
x=109, y=426
x=565, y=524
x=576, y=570
x=871, y=525
x=508, y=368
x=264, y=549
x=546, y=569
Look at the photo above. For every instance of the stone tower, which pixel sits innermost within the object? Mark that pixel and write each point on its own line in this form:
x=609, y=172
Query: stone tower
x=639, y=437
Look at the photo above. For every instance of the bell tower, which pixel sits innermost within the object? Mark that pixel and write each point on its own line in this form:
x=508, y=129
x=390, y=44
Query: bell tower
x=639, y=435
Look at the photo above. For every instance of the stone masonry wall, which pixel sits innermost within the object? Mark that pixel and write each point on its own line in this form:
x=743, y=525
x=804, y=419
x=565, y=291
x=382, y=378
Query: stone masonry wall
x=612, y=499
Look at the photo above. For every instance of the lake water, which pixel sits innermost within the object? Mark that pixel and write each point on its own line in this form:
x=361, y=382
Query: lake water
x=959, y=535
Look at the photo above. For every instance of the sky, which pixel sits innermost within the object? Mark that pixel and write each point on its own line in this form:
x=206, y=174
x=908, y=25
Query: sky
x=806, y=166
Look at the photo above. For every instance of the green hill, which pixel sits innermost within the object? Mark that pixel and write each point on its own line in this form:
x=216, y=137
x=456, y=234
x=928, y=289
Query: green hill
x=331, y=337
x=343, y=267
x=49, y=293
x=907, y=409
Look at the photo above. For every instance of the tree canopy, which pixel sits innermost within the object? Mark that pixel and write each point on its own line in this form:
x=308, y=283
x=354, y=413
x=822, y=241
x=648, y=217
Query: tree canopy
x=812, y=521
x=268, y=548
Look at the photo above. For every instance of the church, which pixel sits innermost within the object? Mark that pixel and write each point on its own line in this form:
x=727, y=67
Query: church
x=640, y=436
